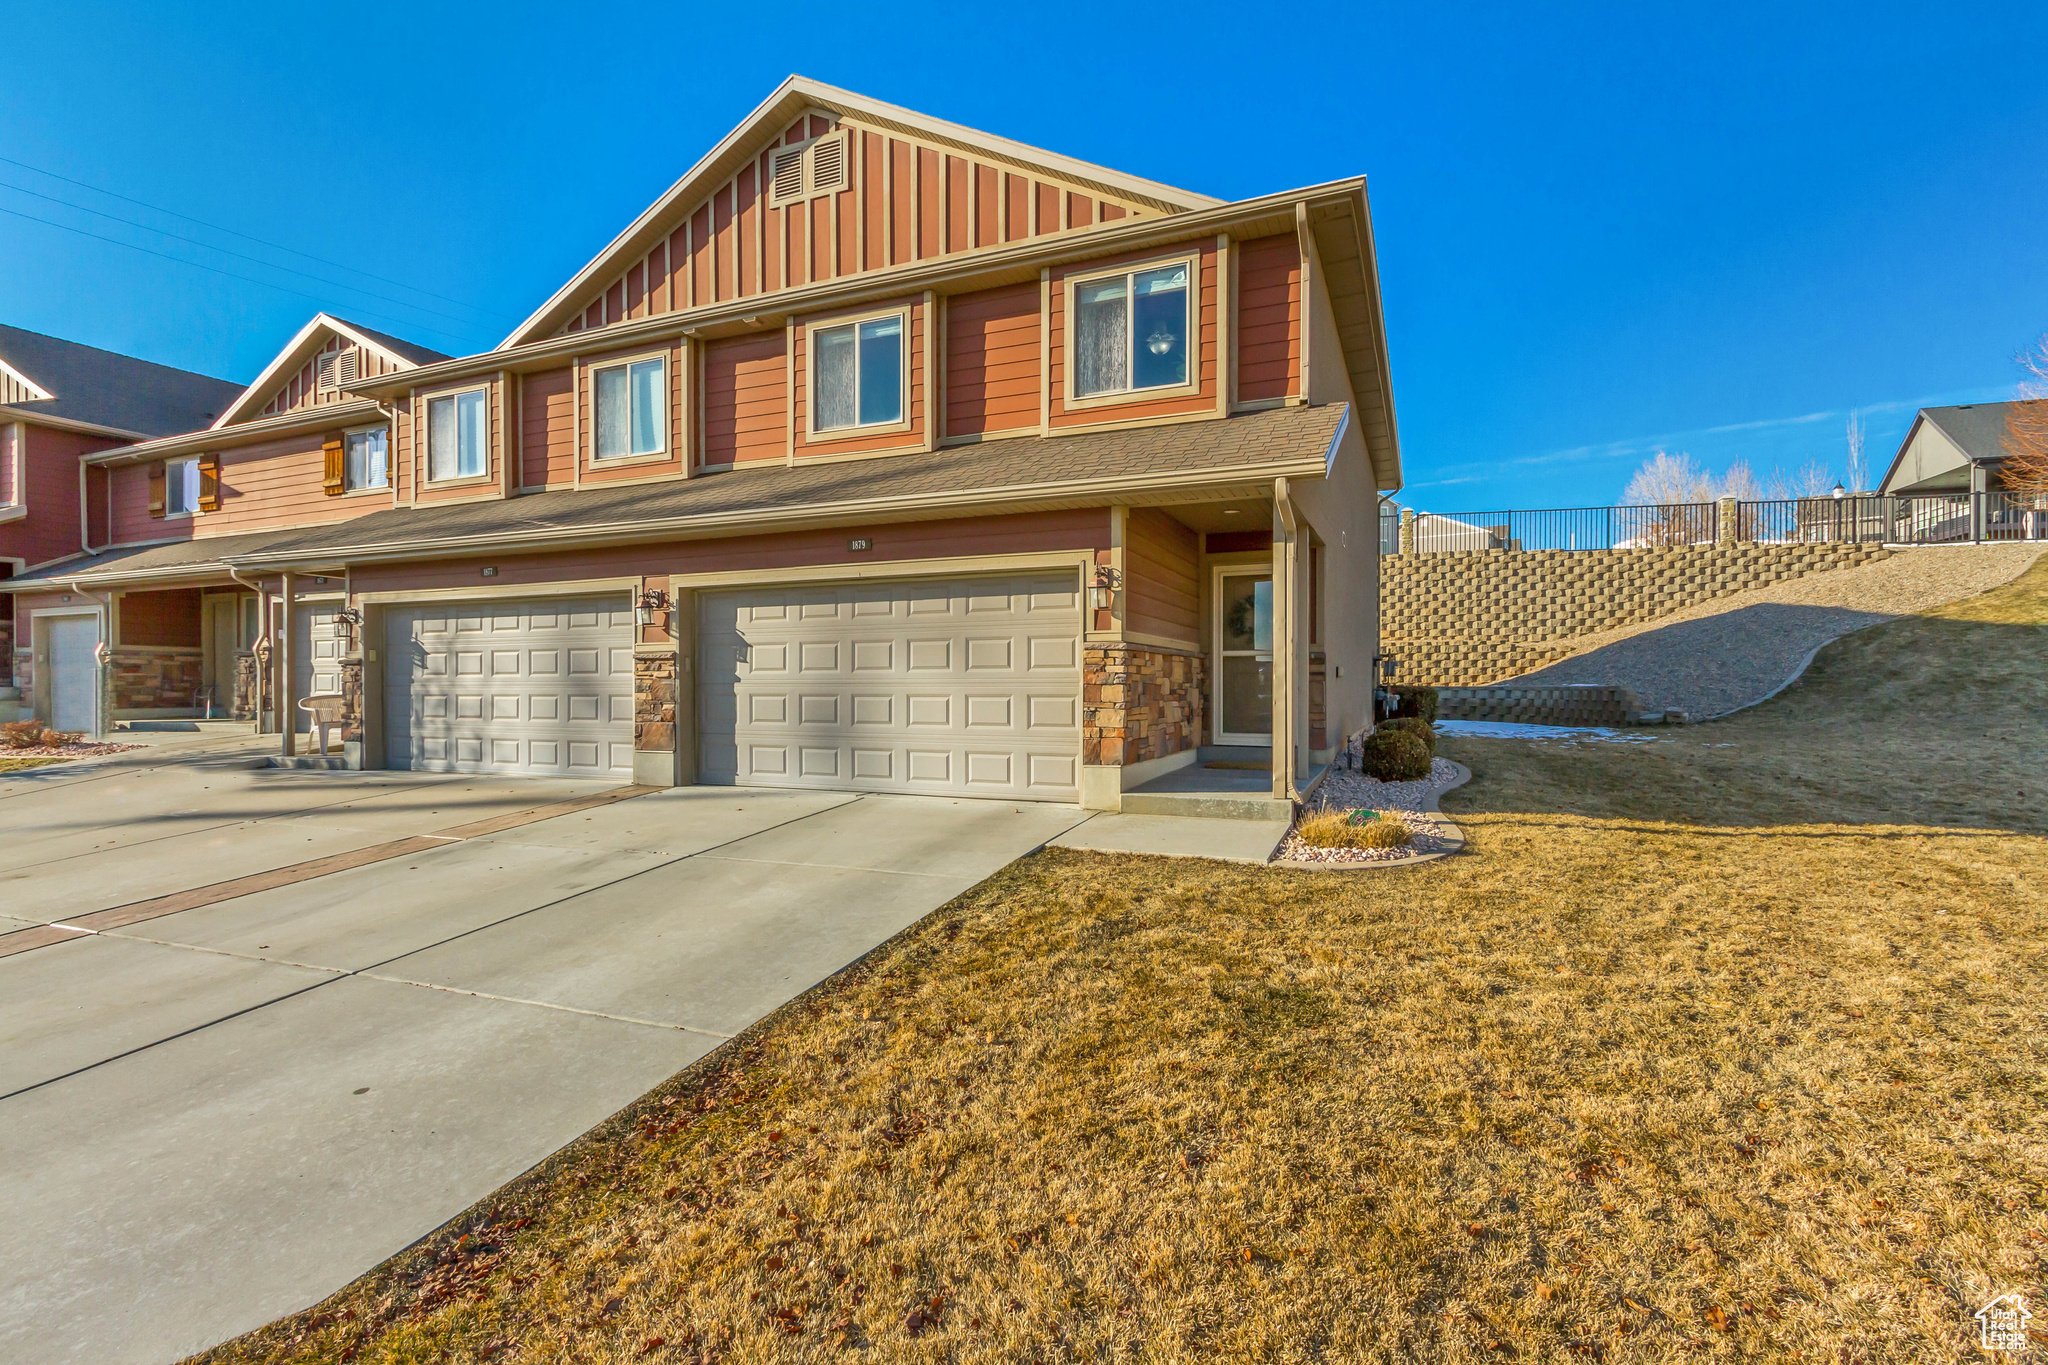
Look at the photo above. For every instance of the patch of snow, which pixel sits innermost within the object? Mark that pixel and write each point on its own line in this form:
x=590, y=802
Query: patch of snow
x=1501, y=729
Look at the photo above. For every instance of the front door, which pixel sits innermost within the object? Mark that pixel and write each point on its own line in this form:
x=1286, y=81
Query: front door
x=74, y=673
x=1244, y=658
x=223, y=639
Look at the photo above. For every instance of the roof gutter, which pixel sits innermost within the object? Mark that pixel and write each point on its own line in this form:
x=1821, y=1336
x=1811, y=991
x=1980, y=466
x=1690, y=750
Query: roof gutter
x=757, y=519
x=874, y=284
x=305, y=419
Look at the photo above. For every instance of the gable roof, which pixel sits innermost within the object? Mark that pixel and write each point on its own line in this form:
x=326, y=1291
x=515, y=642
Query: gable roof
x=794, y=97
x=118, y=393
x=404, y=355
x=1976, y=429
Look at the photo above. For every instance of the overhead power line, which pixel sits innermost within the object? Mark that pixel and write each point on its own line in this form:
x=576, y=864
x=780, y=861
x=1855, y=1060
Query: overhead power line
x=241, y=256
x=274, y=246
x=216, y=270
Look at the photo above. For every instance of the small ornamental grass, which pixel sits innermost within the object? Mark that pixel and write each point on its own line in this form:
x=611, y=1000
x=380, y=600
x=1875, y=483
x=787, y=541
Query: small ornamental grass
x=33, y=734
x=1341, y=829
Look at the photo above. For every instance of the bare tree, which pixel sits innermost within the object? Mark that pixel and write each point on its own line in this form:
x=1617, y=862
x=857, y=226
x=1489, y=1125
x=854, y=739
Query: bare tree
x=1857, y=474
x=2026, y=427
x=1739, y=482
x=1811, y=480
x=1666, y=480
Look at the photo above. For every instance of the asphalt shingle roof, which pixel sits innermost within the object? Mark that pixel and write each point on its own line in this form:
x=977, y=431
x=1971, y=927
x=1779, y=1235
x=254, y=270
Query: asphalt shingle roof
x=182, y=554
x=108, y=389
x=1978, y=429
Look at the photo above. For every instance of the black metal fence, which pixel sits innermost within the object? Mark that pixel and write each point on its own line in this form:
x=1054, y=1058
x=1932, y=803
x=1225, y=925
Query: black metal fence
x=1924, y=519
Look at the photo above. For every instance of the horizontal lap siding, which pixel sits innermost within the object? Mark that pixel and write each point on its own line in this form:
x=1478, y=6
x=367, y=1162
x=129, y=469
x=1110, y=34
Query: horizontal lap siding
x=1079, y=530
x=1160, y=591
x=846, y=444
x=1268, y=318
x=746, y=412
x=277, y=484
x=1203, y=399
x=992, y=366
x=548, y=453
x=50, y=488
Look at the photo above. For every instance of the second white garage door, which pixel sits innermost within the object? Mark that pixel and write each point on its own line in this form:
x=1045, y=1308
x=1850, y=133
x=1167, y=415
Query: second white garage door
x=541, y=688
x=966, y=687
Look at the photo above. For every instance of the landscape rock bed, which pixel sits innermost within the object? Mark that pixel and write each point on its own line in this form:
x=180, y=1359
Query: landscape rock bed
x=1348, y=789
x=68, y=750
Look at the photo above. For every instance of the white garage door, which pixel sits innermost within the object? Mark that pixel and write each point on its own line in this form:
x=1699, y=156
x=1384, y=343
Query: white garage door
x=967, y=687
x=541, y=688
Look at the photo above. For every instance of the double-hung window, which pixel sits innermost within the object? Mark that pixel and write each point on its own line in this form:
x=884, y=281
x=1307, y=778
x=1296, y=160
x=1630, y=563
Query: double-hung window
x=181, y=488
x=367, y=464
x=632, y=408
x=458, y=435
x=857, y=374
x=1132, y=331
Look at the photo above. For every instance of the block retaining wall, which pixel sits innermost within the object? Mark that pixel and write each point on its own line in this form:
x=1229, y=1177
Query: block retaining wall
x=1467, y=618
x=1540, y=705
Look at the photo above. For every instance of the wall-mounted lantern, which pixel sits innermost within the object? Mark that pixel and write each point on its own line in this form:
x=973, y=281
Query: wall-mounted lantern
x=649, y=605
x=1102, y=594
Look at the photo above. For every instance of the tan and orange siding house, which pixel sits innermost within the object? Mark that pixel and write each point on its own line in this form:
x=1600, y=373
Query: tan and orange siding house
x=879, y=454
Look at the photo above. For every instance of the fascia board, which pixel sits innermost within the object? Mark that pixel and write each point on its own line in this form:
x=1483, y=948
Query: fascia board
x=798, y=92
x=244, y=433
x=793, y=518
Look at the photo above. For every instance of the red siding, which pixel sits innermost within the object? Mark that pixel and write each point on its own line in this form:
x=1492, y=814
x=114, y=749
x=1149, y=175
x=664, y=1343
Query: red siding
x=992, y=367
x=548, y=452
x=745, y=400
x=1268, y=318
x=50, y=483
x=169, y=617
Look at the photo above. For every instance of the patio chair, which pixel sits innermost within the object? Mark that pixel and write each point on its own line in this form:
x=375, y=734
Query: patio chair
x=324, y=710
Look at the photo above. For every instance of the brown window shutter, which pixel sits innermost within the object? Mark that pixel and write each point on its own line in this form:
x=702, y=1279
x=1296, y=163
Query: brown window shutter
x=209, y=483
x=156, y=489
x=332, y=484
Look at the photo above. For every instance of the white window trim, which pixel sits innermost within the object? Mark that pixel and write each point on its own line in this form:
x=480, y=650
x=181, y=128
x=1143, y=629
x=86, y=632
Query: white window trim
x=813, y=433
x=169, y=513
x=590, y=371
x=374, y=488
x=1193, y=387
x=427, y=401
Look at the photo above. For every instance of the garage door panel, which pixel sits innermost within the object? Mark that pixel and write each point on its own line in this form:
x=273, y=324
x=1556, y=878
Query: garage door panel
x=964, y=686
x=541, y=688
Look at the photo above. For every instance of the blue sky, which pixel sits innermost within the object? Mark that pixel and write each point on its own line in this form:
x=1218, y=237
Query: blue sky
x=1602, y=230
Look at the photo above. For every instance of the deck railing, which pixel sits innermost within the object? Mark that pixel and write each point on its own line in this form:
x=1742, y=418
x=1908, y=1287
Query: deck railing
x=1919, y=519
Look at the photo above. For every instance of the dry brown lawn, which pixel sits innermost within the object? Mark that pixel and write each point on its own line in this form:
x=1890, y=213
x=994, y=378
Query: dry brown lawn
x=1725, y=1048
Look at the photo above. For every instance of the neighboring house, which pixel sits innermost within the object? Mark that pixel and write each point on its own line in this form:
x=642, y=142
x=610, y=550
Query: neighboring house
x=1951, y=450
x=58, y=401
x=879, y=454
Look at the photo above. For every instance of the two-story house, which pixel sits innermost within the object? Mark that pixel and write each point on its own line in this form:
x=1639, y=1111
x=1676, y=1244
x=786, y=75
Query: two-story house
x=878, y=454
x=59, y=401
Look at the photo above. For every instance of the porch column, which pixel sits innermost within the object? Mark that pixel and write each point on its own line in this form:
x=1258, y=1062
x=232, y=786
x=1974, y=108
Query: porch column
x=287, y=674
x=1285, y=640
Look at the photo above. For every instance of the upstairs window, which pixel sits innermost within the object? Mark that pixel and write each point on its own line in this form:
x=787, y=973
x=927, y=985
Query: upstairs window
x=857, y=374
x=366, y=464
x=458, y=436
x=1131, y=331
x=632, y=408
x=181, y=487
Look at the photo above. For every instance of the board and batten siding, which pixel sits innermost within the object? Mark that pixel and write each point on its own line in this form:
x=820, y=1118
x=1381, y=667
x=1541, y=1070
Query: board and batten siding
x=906, y=200
x=746, y=407
x=302, y=388
x=992, y=366
x=1162, y=594
x=1268, y=318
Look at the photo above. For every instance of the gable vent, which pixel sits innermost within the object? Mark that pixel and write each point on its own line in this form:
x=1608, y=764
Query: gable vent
x=828, y=164
x=323, y=370
x=337, y=368
x=786, y=170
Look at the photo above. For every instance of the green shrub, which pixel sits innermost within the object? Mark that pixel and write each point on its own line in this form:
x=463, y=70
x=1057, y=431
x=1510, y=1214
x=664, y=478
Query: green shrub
x=1394, y=755
x=1418, y=702
x=1413, y=725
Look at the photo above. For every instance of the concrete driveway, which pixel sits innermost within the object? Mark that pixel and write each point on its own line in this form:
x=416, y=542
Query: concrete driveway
x=300, y=1019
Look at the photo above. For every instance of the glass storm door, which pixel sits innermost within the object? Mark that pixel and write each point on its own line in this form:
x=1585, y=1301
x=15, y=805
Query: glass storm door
x=1244, y=658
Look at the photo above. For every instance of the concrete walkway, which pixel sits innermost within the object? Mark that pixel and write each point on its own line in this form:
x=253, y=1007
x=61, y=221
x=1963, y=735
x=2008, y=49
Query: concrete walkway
x=220, y=1114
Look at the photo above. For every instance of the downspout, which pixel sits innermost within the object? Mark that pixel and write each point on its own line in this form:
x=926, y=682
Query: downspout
x=1286, y=665
x=262, y=629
